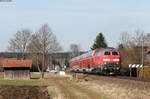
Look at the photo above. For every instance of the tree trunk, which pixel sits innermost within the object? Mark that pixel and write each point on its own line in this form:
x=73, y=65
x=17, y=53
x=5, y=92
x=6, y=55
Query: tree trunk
x=43, y=65
x=37, y=63
x=23, y=55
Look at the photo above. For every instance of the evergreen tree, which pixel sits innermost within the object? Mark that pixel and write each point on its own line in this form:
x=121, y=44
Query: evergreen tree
x=66, y=63
x=99, y=42
x=120, y=46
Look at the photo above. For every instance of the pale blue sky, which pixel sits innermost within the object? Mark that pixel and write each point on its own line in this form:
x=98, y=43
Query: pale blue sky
x=75, y=21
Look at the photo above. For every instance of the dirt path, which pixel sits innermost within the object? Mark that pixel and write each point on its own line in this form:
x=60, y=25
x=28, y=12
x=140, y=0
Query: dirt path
x=73, y=90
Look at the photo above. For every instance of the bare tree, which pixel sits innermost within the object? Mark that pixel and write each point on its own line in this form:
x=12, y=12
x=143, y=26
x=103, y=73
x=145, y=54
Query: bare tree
x=131, y=47
x=44, y=42
x=34, y=48
x=140, y=37
x=20, y=41
x=125, y=39
x=75, y=50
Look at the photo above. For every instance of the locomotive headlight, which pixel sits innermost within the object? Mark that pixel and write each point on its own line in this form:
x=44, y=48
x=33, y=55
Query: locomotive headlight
x=106, y=59
x=115, y=59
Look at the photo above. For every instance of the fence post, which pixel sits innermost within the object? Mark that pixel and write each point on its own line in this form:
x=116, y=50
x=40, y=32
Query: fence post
x=73, y=76
x=130, y=70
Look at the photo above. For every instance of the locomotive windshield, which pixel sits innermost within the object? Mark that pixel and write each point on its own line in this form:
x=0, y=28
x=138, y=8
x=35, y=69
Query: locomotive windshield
x=107, y=53
x=115, y=53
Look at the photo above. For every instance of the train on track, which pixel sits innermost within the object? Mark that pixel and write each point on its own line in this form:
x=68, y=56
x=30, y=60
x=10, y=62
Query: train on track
x=100, y=61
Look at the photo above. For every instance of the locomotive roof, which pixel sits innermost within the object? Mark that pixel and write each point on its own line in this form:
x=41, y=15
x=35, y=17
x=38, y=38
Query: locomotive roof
x=105, y=49
x=89, y=52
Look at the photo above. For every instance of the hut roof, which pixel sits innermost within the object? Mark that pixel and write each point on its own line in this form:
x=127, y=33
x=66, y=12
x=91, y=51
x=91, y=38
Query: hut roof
x=17, y=63
x=2, y=60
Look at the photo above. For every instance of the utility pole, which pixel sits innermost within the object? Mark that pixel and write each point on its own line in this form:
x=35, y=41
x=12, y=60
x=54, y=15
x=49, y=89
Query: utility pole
x=142, y=49
x=142, y=55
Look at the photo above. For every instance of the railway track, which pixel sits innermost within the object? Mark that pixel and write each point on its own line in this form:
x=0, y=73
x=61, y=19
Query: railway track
x=133, y=78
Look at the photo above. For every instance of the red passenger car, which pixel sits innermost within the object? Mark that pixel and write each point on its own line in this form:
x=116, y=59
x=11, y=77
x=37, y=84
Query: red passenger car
x=103, y=61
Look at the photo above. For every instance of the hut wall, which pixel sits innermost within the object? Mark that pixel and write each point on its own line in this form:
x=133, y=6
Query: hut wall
x=1, y=69
x=16, y=74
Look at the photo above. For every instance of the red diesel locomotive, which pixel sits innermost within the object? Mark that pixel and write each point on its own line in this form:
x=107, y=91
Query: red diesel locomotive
x=102, y=61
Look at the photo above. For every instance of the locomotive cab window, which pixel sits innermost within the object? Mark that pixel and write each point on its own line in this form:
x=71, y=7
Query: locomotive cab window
x=115, y=53
x=107, y=53
x=98, y=54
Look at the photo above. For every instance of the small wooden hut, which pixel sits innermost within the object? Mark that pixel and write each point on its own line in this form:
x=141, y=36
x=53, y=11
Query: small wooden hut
x=17, y=69
x=1, y=63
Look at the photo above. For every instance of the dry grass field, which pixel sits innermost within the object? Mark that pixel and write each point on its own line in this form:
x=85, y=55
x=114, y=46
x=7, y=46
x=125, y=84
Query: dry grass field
x=116, y=88
x=85, y=87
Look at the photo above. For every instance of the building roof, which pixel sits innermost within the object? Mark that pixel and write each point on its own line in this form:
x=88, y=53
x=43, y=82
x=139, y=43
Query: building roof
x=17, y=63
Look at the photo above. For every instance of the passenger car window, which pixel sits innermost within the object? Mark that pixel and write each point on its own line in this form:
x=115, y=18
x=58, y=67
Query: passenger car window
x=114, y=53
x=107, y=53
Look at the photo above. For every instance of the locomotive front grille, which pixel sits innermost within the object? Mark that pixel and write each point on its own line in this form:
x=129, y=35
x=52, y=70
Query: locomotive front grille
x=112, y=66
